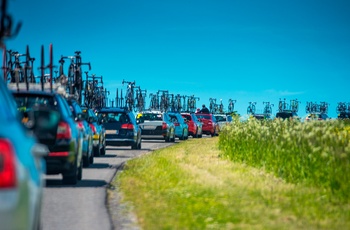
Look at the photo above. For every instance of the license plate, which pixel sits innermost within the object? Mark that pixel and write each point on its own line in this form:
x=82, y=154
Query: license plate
x=149, y=127
x=112, y=131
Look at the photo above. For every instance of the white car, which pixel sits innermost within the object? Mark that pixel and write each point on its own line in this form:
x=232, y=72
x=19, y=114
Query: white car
x=223, y=119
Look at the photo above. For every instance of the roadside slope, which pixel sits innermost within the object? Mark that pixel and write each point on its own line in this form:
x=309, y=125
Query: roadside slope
x=188, y=186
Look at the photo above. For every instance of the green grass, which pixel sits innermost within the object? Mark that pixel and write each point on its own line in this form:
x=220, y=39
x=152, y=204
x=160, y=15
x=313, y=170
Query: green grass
x=189, y=186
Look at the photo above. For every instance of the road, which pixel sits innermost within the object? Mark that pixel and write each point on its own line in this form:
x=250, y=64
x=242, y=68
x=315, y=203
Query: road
x=83, y=206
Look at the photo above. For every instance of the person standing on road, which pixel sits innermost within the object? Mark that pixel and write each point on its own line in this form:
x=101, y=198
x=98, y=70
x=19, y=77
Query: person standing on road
x=204, y=109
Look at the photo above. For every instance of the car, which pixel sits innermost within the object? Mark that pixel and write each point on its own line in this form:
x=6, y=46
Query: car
x=22, y=168
x=287, y=114
x=156, y=125
x=181, y=127
x=84, y=127
x=62, y=137
x=194, y=126
x=223, y=119
x=99, y=133
x=210, y=125
x=343, y=115
x=316, y=116
x=121, y=127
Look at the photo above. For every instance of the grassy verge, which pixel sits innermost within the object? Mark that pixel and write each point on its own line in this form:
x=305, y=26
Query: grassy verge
x=188, y=186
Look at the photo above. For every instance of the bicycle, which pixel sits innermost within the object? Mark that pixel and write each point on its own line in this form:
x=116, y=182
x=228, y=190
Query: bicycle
x=323, y=107
x=6, y=25
x=154, y=103
x=294, y=104
x=221, y=107
x=212, y=105
x=164, y=103
x=178, y=105
x=251, y=108
x=282, y=105
x=231, y=105
x=268, y=108
x=341, y=107
x=129, y=96
x=140, y=98
x=74, y=77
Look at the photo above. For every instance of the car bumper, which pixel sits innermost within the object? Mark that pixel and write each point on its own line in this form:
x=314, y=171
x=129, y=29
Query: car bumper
x=120, y=141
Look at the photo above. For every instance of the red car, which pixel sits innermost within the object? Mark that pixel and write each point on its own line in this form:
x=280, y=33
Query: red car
x=210, y=125
x=194, y=125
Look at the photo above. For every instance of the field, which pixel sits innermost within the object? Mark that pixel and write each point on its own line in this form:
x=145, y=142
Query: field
x=255, y=175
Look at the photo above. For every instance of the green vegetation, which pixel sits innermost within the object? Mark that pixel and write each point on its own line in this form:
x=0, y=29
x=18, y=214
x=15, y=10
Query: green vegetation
x=191, y=185
x=316, y=153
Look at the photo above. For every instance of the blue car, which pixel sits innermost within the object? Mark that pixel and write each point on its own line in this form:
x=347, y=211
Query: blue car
x=181, y=127
x=22, y=168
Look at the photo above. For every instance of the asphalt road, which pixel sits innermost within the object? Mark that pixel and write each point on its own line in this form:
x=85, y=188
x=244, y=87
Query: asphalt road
x=83, y=206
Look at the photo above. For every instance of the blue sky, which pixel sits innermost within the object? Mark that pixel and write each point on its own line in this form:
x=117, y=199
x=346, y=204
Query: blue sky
x=246, y=50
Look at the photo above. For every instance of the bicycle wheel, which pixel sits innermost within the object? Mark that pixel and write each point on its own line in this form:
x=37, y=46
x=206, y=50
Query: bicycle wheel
x=71, y=79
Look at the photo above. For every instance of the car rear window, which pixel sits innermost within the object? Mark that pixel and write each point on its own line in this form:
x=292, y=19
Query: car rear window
x=113, y=117
x=188, y=117
x=204, y=116
x=152, y=117
x=25, y=102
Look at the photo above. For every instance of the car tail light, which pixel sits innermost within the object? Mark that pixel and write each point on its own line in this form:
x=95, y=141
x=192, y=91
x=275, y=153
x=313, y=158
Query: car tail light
x=164, y=125
x=63, y=131
x=127, y=126
x=93, y=128
x=7, y=165
x=80, y=125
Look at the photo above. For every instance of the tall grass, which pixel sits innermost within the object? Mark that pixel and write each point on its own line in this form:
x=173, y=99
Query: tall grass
x=315, y=152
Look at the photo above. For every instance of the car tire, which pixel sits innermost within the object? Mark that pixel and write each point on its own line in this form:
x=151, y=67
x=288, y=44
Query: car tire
x=139, y=145
x=103, y=151
x=91, y=158
x=200, y=136
x=196, y=134
x=71, y=177
x=97, y=151
x=134, y=146
x=80, y=170
x=86, y=161
x=182, y=137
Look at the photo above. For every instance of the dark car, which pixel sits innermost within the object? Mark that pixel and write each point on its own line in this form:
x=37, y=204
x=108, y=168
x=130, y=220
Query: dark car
x=156, y=125
x=344, y=115
x=61, y=135
x=121, y=127
x=84, y=127
x=287, y=114
x=194, y=126
x=22, y=168
x=99, y=133
x=210, y=125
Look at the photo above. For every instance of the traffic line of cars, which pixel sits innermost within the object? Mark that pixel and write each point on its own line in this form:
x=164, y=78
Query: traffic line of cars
x=44, y=132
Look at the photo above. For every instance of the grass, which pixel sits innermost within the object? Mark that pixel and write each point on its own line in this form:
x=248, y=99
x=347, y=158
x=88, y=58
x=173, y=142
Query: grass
x=189, y=186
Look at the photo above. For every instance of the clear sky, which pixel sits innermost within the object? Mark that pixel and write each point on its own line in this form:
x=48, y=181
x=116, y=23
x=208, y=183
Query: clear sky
x=246, y=50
